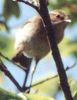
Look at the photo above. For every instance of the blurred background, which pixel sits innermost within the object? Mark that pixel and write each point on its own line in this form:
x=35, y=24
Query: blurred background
x=12, y=16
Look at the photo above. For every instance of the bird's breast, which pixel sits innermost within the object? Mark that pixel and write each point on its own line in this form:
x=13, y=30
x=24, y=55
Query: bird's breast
x=37, y=47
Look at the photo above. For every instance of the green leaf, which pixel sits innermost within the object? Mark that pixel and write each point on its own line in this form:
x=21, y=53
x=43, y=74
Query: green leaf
x=49, y=87
x=75, y=96
x=73, y=86
x=70, y=45
x=37, y=97
x=6, y=45
x=10, y=8
x=5, y=95
x=73, y=44
x=3, y=27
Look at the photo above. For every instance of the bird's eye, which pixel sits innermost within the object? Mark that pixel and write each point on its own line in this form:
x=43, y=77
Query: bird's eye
x=60, y=17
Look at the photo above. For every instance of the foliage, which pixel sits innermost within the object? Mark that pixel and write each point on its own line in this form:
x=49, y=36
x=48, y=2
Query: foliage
x=6, y=43
x=5, y=95
x=3, y=26
x=46, y=88
x=70, y=45
x=68, y=5
x=37, y=97
x=10, y=8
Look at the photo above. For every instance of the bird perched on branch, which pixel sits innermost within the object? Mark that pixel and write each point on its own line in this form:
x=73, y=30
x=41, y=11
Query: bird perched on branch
x=32, y=41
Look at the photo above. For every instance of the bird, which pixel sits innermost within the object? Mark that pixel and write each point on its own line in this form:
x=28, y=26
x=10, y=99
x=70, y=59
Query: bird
x=31, y=40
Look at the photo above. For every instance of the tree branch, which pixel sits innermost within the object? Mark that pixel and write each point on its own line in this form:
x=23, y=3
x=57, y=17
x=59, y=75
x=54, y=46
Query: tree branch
x=4, y=69
x=28, y=3
x=55, y=51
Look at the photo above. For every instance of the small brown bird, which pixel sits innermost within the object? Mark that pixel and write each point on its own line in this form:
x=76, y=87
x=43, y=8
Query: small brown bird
x=31, y=40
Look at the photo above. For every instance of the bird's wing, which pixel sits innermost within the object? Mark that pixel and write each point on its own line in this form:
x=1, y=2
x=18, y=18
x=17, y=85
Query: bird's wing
x=21, y=59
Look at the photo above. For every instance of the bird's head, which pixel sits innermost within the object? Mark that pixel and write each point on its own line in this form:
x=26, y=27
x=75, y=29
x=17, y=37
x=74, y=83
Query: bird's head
x=59, y=19
x=59, y=16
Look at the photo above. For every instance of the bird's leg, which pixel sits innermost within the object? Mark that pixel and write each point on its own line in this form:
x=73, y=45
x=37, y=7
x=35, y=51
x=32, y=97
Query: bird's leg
x=26, y=78
x=33, y=71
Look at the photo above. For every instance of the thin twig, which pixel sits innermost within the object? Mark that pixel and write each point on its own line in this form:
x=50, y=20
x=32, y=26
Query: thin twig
x=6, y=58
x=30, y=4
x=52, y=77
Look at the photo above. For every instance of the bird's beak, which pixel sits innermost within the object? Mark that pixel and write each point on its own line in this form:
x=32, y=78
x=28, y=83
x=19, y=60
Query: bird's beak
x=68, y=20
